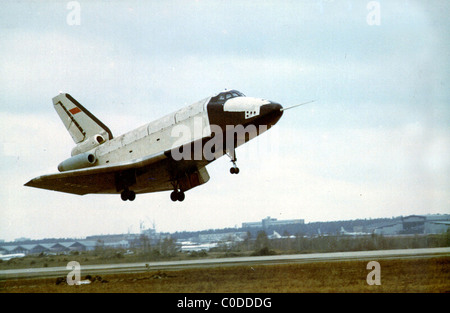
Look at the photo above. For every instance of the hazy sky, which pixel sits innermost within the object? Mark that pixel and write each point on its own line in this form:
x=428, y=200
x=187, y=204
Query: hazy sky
x=376, y=142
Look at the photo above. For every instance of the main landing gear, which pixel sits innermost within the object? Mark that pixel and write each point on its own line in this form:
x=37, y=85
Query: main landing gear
x=128, y=195
x=177, y=195
x=124, y=180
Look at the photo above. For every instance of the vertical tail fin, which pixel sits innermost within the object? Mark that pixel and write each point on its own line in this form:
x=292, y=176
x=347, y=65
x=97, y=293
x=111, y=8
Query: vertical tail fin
x=80, y=123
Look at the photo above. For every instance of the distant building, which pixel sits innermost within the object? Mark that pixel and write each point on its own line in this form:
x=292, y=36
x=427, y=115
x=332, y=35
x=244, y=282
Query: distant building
x=7, y=249
x=123, y=244
x=111, y=238
x=436, y=227
x=84, y=245
x=413, y=224
x=271, y=222
x=390, y=229
x=62, y=247
x=40, y=248
x=417, y=224
x=252, y=225
x=25, y=249
x=234, y=236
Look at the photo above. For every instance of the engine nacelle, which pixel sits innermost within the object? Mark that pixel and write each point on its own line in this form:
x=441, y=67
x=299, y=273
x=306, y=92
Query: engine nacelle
x=77, y=162
x=88, y=144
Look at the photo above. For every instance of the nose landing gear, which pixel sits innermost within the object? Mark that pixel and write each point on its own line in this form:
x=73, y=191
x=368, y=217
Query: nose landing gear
x=177, y=194
x=234, y=169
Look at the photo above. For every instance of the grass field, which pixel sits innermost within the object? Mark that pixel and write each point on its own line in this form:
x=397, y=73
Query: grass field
x=402, y=275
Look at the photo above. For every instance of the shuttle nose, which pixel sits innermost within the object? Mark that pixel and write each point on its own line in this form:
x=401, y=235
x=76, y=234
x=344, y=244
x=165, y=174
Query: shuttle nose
x=272, y=108
x=271, y=112
x=276, y=107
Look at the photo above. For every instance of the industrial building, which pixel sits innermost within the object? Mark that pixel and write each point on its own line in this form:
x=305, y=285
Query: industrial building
x=417, y=224
x=272, y=222
x=229, y=236
x=57, y=247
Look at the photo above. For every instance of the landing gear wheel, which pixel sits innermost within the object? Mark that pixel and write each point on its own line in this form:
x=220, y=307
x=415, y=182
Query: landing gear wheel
x=174, y=196
x=128, y=195
x=180, y=196
x=177, y=196
x=234, y=170
x=131, y=195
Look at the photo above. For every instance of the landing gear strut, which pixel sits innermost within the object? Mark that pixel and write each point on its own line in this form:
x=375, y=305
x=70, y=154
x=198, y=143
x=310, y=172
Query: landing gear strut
x=128, y=195
x=234, y=169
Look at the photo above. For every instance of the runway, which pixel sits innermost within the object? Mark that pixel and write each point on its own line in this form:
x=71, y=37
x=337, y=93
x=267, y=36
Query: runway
x=103, y=269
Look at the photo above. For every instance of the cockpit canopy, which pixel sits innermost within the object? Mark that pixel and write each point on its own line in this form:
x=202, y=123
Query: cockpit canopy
x=225, y=95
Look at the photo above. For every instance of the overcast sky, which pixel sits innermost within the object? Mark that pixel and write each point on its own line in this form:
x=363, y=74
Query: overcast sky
x=375, y=143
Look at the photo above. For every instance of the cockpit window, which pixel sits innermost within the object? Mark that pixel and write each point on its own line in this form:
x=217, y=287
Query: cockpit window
x=225, y=95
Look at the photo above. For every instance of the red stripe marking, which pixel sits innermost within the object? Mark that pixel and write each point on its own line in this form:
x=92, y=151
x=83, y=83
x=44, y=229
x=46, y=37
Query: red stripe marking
x=75, y=110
